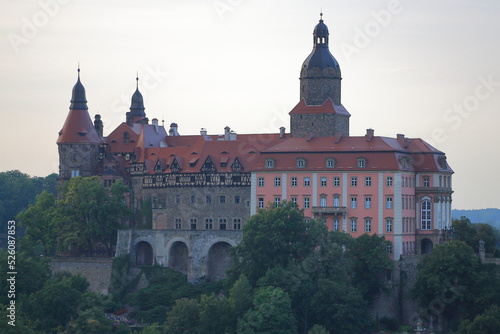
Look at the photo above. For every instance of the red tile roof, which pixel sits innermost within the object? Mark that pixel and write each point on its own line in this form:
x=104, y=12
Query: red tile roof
x=78, y=128
x=326, y=108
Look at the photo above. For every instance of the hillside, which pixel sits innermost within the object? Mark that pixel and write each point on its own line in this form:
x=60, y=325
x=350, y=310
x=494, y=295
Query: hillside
x=488, y=216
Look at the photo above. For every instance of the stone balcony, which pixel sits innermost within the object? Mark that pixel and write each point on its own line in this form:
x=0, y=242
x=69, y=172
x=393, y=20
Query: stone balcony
x=329, y=210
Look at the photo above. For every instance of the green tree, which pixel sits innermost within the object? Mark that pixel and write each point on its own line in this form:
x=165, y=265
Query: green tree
x=240, y=296
x=56, y=303
x=184, y=317
x=276, y=236
x=469, y=233
x=486, y=323
x=344, y=304
x=369, y=253
x=90, y=214
x=216, y=315
x=272, y=313
x=91, y=321
x=318, y=329
x=39, y=220
x=447, y=281
x=486, y=233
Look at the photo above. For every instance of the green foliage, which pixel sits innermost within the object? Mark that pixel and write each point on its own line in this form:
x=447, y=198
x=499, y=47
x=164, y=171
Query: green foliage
x=184, y=317
x=470, y=233
x=57, y=302
x=154, y=328
x=370, y=263
x=344, y=304
x=389, y=323
x=216, y=315
x=33, y=272
x=39, y=219
x=90, y=214
x=453, y=276
x=271, y=313
x=318, y=329
x=406, y=329
x=91, y=321
x=240, y=296
x=277, y=236
x=21, y=323
x=119, y=285
x=485, y=323
x=18, y=190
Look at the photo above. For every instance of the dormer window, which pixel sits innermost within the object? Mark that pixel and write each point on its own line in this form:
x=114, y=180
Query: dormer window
x=270, y=163
x=301, y=163
x=361, y=162
x=126, y=138
x=330, y=163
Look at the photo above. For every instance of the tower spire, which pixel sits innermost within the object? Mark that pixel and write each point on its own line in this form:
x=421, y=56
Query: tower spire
x=78, y=98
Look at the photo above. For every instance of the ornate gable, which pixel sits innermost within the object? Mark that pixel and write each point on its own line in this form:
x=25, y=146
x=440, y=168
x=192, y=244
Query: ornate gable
x=208, y=166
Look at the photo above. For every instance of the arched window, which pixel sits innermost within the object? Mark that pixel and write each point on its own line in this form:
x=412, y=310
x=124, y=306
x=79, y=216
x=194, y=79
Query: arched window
x=426, y=214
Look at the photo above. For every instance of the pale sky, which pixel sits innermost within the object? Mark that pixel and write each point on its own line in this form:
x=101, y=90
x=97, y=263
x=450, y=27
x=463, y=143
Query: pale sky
x=424, y=68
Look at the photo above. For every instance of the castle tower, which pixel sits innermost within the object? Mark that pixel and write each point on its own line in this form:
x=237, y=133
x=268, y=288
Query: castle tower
x=78, y=141
x=136, y=113
x=320, y=112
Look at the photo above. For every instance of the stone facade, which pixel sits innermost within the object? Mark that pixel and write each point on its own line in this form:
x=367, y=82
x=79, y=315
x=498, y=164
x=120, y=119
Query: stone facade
x=79, y=159
x=202, y=255
x=324, y=125
x=317, y=85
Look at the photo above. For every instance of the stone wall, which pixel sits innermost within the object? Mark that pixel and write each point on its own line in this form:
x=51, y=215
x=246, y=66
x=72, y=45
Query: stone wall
x=97, y=271
x=202, y=255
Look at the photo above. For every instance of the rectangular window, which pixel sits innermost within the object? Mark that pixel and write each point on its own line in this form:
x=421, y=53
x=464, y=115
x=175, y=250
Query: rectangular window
x=237, y=199
x=208, y=224
x=389, y=181
x=222, y=223
x=307, y=182
x=208, y=199
x=322, y=201
x=277, y=201
x=261, y=182
x=336, y=201
x=222, y=199
x=177, y=199
x=353, y=225
x=354, y=181
x=277, y=181
x=294, y=182
x=427, y=182
x=336, y=225
x=237, y=224
x=193, y=198
x=294, y=200
x=323, y=181
x=354, y=202
x=388, y=225
x=178, y=223
x=368, y=202
x=75, y=173
x=426, y=215
x=368, y=225
x=306, y=202
x=193, y=223
x=388, y=203
x=389, y=249
x=368, y=181
x=261, y=203
x=336, y=181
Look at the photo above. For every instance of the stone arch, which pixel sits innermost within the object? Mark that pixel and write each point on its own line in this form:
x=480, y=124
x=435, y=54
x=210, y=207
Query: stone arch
x=143, y=254
x=426, y=246
x=178, y=255
x=219, y=259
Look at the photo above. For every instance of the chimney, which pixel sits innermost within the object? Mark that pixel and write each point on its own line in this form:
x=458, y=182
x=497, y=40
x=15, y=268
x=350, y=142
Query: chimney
x=227, y=132
x=233, y=135
x=203, y=132
x=282, y=132
x=369, y=134
x=154, y=122
x=402, y=140
x=173, y=130
x=98, y=125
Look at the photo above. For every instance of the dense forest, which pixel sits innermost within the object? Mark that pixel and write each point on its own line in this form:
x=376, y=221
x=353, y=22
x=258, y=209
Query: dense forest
x=485, y=216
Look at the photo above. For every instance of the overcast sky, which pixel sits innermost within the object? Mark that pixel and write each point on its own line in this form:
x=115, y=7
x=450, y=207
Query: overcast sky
x=428, y=69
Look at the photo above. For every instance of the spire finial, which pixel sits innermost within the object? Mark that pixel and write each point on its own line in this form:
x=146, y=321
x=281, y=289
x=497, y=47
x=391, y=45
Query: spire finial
x=321, y=15
x=137, y=80
x=78, y=70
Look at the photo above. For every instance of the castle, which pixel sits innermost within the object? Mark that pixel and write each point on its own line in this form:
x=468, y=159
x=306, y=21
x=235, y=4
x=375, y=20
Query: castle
x=203, y=188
